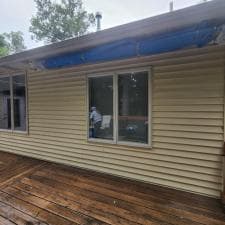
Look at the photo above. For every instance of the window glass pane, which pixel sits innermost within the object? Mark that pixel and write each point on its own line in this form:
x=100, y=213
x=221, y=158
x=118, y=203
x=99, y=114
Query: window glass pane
x=5, y=104
x=133, y=107
x=101, y=107
x=19, y=102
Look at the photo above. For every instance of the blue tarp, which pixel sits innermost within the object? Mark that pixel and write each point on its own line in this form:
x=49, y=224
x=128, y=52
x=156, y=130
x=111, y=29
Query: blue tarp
x=199, y=35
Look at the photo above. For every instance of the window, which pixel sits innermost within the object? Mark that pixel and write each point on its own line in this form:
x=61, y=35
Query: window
x=101, y=107
x=5, y=103
x=19, y=102
x=13, y=103
x=119, y=108
x=133, y=107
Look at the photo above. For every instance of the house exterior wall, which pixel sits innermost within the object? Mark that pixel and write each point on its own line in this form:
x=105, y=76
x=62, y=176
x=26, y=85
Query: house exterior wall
x=187, y=122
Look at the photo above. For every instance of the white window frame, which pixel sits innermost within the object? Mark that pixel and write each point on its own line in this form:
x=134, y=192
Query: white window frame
x=115, y=74
x=12, y=130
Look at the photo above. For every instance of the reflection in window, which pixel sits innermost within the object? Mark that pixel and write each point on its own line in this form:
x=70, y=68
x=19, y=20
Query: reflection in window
x=19, y=102
x=133, y=107
x=5, y=103
x=101, y=107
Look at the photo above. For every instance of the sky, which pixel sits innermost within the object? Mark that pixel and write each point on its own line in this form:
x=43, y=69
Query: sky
x=16, y=14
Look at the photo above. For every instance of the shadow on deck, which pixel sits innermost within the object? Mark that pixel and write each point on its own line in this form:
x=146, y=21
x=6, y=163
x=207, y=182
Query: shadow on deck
x=35, y=192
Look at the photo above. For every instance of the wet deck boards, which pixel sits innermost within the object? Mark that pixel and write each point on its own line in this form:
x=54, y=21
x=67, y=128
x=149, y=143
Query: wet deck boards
x=35, y=192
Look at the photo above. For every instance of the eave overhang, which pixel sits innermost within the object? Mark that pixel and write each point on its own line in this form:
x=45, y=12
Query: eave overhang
x=207, y=18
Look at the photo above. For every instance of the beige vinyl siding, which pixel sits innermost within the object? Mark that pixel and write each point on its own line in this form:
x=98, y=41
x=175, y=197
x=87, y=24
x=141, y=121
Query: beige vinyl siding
x=187, y=123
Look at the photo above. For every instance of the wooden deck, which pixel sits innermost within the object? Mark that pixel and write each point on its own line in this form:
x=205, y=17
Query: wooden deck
x=33, y=192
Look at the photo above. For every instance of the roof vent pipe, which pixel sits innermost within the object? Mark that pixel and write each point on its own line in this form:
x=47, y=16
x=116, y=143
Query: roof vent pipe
x=98, y=17
x=171, y=6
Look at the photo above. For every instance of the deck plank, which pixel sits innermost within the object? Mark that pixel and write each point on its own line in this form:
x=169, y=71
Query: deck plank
x=34, y=210
x=46, y=210
x=143, y=202
x=4, y=221
x=36, y=192
x=129, y=210
x=143, y=188
x=16, y=216
x=79, y=203
x=12, y=166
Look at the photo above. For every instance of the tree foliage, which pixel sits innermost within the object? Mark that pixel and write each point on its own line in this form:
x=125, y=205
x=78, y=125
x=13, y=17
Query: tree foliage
x=10, y=43
x=4, y=48
x=15, y=41
x=59, y=21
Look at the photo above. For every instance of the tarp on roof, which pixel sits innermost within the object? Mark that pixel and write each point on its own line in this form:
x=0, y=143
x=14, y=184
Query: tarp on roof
x=199, y=35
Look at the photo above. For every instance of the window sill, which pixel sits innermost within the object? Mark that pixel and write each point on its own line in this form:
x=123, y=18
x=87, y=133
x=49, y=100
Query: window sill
x=98, y=140
x=120, y=143
x=134, y=144
x=14, y=131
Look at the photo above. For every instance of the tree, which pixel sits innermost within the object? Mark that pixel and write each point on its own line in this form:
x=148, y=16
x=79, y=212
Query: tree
x=15, y=41
x=4, y=48
x=10, y=43
x=59, y=21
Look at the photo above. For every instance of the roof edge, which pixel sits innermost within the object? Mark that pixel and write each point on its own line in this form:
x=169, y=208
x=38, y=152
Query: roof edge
x=154, y=25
